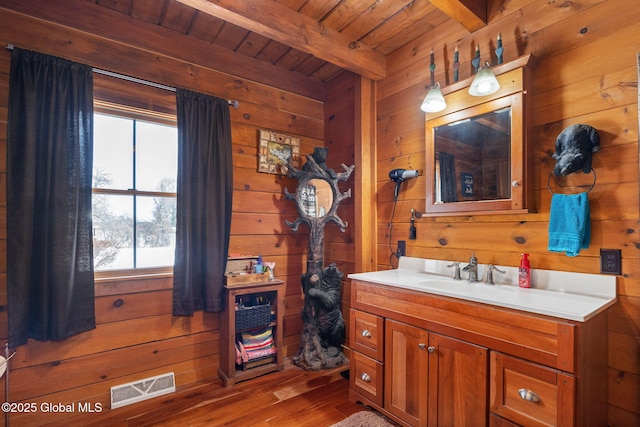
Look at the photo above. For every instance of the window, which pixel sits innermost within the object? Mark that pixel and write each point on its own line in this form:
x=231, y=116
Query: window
x=134, y=190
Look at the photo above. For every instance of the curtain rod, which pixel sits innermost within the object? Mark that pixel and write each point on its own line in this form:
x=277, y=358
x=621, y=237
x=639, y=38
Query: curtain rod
x=234, y=103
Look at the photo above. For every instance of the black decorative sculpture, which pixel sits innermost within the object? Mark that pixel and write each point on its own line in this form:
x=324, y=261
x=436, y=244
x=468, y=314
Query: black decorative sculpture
x=317, y=198
x=575, y=146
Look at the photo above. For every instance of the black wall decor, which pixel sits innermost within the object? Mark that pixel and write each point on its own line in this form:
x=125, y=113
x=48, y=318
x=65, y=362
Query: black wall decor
x=317, y=198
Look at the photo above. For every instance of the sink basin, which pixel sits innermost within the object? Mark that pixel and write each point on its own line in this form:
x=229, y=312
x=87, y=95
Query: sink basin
x=573, y=296
x=465, y=289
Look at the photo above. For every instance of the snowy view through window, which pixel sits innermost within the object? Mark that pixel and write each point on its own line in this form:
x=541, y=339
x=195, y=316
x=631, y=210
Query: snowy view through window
x=134, y=204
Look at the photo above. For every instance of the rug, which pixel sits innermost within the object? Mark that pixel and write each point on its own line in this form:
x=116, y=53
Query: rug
x=364, y=419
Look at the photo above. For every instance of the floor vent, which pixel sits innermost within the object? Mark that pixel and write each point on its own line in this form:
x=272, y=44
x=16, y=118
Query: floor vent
x=137, y=391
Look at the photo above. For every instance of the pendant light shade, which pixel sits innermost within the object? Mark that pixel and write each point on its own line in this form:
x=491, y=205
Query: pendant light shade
x=434, y=101
x=485, y=82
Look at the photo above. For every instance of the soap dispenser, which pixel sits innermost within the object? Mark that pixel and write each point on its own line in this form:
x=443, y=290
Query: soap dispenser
x=524, y=272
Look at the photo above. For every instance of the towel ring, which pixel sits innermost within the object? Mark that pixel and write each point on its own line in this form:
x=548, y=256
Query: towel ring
x=593, y=184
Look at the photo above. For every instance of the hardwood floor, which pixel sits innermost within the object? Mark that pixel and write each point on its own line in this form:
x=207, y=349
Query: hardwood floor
x=293, y=397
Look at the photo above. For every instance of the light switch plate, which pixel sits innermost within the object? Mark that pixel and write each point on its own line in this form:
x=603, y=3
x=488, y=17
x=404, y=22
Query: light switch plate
x=610, y=261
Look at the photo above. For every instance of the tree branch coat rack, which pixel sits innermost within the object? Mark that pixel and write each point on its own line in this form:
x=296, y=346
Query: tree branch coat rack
x=317, y=198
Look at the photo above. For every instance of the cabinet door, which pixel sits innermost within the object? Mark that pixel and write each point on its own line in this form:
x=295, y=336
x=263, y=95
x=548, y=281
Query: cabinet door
x=457, y=382
x=405, y=394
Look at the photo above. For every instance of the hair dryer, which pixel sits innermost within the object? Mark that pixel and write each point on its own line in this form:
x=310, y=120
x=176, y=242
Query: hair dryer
x=400, y=175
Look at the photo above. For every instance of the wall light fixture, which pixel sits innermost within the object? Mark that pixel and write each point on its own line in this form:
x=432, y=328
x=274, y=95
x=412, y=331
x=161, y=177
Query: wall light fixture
x=434, y=101
x=485, y=82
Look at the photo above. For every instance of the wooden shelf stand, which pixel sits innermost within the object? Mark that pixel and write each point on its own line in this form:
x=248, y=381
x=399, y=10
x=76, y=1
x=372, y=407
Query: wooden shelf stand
x=228, y=370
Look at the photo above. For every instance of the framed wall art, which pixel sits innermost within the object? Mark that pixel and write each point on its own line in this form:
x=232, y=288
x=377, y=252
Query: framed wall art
x=275, y=150
x=466, y=182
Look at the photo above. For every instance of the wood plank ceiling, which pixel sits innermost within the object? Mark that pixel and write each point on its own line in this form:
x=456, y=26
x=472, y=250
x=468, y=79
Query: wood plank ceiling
x=315, y=38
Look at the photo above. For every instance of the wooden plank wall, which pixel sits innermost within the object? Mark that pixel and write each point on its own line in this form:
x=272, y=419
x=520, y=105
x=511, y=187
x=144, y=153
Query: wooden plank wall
x=136, y=336
x=339, y=138
x=588, y=74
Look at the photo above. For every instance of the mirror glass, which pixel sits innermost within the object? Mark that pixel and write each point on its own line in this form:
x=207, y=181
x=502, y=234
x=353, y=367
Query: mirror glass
x=473, y=158
x=315, y=198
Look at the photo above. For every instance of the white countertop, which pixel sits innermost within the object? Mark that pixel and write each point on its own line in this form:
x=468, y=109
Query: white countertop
x=572, y=296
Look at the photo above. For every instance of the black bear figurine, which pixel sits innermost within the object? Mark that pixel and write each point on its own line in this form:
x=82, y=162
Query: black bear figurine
x=574, y=147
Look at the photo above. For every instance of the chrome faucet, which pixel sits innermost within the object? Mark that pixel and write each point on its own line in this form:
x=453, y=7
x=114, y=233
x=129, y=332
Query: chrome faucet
x=456, y=272
x=472, y=268
x=490, y=269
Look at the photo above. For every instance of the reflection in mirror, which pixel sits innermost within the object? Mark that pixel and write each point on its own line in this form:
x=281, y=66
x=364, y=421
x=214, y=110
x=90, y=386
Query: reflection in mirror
x=315, y=198
x=472, y=158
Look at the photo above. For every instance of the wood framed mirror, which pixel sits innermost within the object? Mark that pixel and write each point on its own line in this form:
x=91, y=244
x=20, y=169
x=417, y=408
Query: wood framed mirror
x=477, y=150
x=315, y=197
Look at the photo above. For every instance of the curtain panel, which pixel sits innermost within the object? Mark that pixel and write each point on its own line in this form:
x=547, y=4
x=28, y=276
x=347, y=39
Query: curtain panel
x=449, y=187
x=205, y=190
x=49, y=170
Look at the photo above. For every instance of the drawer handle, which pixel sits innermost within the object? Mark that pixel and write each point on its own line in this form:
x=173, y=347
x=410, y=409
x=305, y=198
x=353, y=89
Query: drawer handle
x=528, y=395
x=365, y=377
x=422, y=346
x=366, y=333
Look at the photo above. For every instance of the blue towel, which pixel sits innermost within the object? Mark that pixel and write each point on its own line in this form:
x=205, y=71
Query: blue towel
x=569, y=223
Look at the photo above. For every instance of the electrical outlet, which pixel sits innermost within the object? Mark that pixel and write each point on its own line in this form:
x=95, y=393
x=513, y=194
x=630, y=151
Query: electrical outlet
x=402, y=248
x=610, y=261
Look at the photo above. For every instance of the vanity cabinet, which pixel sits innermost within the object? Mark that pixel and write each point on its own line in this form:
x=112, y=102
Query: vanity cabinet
x=452, y=362
x=432, y=379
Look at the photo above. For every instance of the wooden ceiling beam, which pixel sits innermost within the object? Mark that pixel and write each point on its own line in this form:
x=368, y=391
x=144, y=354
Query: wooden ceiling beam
x=472, y=14
x=280, y=23
x=104, y=22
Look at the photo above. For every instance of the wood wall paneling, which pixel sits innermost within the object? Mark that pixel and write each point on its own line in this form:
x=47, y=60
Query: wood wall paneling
x=136, y=336
x=587, y=74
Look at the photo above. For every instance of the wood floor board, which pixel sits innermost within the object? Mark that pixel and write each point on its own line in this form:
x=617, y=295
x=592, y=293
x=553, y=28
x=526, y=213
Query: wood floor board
x=224, y=411
x=315, y=408
x=293, y=397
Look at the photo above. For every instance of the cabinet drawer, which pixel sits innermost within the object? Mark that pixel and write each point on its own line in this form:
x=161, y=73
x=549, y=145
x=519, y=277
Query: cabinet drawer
x=531, y=394
x=366, y=377
x=367, y=334
x=496, y=421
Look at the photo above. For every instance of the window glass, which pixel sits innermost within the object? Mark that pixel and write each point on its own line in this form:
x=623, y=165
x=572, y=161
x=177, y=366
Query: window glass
x=134, y=199
x=112, y=232
x=156, y=230
x=156, y=160
x=112, y=155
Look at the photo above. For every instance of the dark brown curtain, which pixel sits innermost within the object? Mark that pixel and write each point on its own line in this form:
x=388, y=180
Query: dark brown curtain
x=49, y=169
x=448, y=185
x=205, y=189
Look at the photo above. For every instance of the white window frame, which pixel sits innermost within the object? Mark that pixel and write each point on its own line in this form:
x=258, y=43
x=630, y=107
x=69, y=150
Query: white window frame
x=125, y=111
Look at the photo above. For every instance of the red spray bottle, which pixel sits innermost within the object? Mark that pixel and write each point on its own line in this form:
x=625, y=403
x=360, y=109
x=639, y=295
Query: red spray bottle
x=524, y=272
